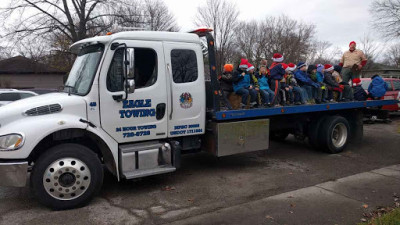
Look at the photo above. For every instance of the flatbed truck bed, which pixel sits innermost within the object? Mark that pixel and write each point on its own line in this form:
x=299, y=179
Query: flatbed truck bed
x=285, y=110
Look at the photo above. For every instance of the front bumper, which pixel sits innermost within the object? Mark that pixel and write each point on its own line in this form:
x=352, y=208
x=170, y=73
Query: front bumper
x=13, y=174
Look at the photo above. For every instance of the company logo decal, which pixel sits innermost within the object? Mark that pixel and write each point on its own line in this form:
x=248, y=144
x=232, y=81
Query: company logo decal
x=186, y=100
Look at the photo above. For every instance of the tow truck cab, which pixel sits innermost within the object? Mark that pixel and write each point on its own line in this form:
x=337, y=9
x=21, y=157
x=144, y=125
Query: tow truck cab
x=126, y=95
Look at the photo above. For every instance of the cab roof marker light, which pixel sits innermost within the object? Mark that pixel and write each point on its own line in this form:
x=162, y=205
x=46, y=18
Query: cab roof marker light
x=202, y=31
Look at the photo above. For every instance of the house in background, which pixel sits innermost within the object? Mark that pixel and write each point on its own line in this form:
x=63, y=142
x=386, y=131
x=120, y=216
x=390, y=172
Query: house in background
x=23, y=73
x=384, y=72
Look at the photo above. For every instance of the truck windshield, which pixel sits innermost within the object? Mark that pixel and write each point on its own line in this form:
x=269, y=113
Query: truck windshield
x=84, y=69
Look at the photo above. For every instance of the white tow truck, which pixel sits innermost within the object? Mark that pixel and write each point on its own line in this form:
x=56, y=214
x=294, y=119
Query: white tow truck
x=134, y=102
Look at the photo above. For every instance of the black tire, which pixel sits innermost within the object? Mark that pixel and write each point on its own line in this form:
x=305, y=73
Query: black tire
x=279, y=135
x=73, y=181
x=334, y=134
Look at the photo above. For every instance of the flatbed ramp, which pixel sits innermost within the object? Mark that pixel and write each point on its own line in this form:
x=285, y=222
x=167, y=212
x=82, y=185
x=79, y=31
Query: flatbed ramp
x=283, y=110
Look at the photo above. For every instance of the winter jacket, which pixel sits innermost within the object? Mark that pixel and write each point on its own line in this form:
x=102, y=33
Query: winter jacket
x=226, y=82
x=303, y=78
x=291, y=80
x=378, y=87
x=236, y=76
x=359, y=93
x=283, y=83
x=263, y=82
x=254, y=81
x=273, y=65
x=320, y=77
x=277, y=72
x=329, y=80
x=337, y=76
x=242, y=83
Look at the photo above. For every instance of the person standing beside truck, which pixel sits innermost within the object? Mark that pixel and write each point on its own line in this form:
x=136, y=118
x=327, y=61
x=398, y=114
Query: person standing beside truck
x=352, y=62
x=241, y=84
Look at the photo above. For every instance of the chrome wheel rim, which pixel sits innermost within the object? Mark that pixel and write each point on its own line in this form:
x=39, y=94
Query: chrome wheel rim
x=66, y=179
x=339, y=135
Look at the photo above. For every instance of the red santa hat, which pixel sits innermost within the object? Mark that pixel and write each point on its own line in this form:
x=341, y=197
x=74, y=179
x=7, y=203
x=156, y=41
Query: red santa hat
x=277, y=57
x=353, y=42
x=243, y=64
x=284, y=66
x=291, y=67
x=249, y=67
x=356, y=81
x=328, y=67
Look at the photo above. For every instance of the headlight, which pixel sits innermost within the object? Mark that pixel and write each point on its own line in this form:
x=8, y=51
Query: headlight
x=11, y=142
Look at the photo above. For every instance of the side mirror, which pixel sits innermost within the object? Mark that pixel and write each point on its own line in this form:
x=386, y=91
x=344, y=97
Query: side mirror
x=130, y=68
x=130, y=86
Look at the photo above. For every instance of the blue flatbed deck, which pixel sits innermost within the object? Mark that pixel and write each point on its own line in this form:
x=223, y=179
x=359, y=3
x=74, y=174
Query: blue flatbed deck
x=283, y=110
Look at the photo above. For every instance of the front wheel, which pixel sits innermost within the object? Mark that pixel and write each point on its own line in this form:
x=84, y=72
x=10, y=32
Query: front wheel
x=67, y=176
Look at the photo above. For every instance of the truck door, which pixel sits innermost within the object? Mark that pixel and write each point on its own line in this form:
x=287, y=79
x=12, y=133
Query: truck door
x=186, y=87
x=142, y=116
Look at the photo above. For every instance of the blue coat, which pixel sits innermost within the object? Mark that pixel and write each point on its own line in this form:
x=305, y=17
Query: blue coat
x=378, y=87
x=303, y=78
x=243, y=83
x=320, y=77
x=263, y=82
x=277, y=72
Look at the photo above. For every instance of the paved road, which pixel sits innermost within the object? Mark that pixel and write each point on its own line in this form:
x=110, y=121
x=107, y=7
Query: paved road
x=205, y=184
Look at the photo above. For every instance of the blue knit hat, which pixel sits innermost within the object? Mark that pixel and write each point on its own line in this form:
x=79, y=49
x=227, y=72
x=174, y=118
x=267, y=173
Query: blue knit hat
x=301, y=64
x=320, y=67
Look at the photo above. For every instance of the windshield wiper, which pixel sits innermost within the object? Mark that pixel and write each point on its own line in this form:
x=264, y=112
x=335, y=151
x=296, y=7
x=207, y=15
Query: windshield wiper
x=69, y=89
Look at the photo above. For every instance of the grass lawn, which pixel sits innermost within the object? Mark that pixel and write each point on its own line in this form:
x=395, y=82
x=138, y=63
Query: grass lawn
x=391, y=218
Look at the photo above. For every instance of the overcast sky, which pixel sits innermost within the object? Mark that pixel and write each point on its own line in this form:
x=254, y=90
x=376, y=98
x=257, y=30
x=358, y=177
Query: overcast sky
x=337, y=21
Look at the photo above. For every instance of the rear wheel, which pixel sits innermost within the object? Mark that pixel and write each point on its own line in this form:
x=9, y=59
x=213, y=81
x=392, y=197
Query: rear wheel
x=67, y=176
x=334, y=134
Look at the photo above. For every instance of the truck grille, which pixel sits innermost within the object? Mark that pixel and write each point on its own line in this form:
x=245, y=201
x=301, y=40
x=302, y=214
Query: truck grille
x=43, y=110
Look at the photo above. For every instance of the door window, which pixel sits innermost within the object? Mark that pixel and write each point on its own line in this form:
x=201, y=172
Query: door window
x=184, y=65
x=9, y=96
x=396, y=85
x=26, y=95
x=389, y=84
x=145, y=69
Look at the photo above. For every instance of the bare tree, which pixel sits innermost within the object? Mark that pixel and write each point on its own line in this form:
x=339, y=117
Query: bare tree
x=286, y=36
x=56, y=24
x=144, y=14
x=5, y=52
x=72, y=18
x=386, y=17
x=323, y=52
x=158, y=16
x=371, y=48
x=222, y=17
x=246, y=39
x=392, y=56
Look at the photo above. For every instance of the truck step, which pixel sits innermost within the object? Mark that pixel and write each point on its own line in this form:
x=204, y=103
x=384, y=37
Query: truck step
x=149, y=172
